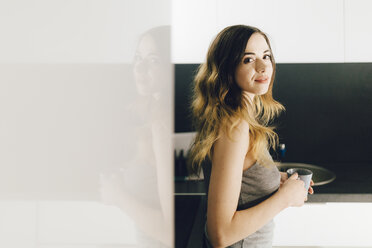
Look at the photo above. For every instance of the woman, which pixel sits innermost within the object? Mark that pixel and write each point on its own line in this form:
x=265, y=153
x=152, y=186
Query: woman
x=232, y=108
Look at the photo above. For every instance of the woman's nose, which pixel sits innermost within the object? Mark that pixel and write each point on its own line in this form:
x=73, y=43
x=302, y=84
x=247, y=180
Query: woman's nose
x=140, y=67
x=261, y=66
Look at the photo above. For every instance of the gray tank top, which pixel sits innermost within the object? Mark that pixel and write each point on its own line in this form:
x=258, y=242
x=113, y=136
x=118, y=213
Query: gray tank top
x=258, y=184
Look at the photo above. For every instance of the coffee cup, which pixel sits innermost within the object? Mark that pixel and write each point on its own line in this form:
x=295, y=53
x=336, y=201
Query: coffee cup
x=304, y=175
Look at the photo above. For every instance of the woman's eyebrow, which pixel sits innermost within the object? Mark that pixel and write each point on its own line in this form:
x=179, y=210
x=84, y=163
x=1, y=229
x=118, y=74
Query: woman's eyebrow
x=249, y=53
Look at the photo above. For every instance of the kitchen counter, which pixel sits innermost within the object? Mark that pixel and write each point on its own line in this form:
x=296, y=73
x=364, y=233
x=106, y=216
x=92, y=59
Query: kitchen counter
x=353, y=183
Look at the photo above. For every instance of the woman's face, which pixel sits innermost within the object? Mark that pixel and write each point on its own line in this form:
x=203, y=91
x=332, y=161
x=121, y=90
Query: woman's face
x=254, y=72
x=148, y=67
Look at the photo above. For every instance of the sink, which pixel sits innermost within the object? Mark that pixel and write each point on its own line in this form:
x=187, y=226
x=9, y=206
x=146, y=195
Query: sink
x=321, y=175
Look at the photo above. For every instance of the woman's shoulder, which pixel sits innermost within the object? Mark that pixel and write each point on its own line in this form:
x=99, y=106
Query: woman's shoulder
x=233, y=138
x=243, y=126
x=236, y=131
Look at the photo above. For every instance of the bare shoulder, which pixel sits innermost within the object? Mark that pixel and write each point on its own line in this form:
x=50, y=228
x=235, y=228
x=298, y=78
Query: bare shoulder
x=231, y=146
x=240, y=132
x=242, y=127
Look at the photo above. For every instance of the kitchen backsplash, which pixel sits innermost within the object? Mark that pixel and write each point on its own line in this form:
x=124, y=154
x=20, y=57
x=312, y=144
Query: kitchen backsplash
x=328, y=117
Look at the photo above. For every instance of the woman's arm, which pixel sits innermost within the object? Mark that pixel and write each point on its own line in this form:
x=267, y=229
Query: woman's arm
x=226, y=225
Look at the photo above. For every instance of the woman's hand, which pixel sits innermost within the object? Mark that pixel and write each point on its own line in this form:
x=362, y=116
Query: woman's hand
x=284, y=177
x=311, y=190
x=293, y=191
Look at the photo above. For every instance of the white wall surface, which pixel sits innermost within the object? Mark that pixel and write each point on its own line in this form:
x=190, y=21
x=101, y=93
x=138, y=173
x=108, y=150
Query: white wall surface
x=70, y=31
x=86, y=119
x=61, y=125
x=194, y=26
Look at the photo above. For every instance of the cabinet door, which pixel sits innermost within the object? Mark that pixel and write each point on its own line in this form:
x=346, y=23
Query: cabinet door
x=358, y=34
x=300, y=31
x=193, y=28
x=324, y=224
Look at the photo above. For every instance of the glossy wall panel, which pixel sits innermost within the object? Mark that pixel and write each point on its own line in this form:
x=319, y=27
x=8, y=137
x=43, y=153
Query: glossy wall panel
x=86, y=124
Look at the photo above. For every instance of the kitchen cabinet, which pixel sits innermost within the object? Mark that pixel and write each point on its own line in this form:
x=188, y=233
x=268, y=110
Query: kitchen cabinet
x=325, y=224
x=358, y=35
x=298, y=30
x=337, y=219
x=189, y=220
x=193, y=28
x=323, y=221
x=338, y=214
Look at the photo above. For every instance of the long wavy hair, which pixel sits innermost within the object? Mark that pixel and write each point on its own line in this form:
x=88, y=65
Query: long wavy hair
x=219, y=103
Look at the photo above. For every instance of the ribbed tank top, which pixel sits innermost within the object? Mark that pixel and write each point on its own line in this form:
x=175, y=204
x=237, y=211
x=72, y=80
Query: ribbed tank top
x=258, y=184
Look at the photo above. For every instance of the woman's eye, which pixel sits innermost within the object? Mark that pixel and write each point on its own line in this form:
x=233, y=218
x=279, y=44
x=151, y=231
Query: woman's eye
x=267, y=56
x=154, y=60
x=247, y=60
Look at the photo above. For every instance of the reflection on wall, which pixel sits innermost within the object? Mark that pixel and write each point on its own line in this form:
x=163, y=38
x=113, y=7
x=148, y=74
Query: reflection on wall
x=141, y=187
x=86, y=124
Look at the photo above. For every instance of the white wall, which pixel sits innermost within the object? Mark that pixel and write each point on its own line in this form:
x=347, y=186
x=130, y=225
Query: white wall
x=85, y=162
x=69, y=31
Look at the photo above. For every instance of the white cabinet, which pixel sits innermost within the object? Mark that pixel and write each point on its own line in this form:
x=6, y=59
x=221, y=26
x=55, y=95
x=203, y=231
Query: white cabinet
x=193, y=28
x=358, y=32
x=325, y=224
x=300, y=31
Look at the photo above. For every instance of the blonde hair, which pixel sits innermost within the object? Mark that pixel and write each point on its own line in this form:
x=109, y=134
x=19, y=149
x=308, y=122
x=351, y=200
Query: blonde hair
x=218, y=102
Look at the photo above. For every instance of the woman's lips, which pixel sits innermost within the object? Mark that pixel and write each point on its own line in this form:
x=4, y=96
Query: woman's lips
x=262, y=80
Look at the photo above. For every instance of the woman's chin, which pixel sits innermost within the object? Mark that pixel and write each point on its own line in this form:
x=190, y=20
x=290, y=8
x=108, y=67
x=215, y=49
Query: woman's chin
x=259, y=92
x=262, y=91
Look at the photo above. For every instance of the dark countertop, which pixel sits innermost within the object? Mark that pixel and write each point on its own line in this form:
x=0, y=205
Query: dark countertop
x=353, y=183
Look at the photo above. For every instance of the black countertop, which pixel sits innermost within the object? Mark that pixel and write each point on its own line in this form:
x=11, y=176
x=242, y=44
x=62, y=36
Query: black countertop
x=353, y=183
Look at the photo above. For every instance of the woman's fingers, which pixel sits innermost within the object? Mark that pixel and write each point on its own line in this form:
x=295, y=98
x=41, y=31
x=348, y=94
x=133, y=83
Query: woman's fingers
x=311, y=190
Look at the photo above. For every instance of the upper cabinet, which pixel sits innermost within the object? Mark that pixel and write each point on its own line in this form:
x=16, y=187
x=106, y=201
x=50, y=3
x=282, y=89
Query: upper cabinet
x=300, y=31
x=194, y=25
x=319, y=31
x=358, y=34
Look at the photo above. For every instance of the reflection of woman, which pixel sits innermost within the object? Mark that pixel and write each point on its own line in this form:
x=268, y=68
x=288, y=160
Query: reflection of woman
x=143, y=187
x=151, y=65
x=233, y=106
